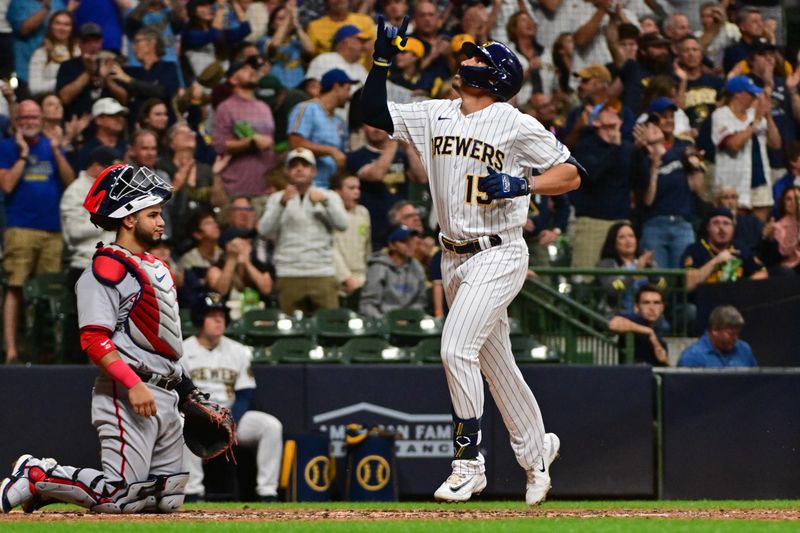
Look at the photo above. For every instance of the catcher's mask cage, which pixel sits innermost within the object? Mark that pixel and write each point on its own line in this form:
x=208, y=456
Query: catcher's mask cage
x=122, y=190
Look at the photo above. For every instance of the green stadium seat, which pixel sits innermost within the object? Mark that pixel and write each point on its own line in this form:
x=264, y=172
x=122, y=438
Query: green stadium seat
x=262, y=355
x=372, y=350
x=529, y=350
x=428, y=351
x=409, y=326
x=66, y=332
x=334, y=327
x=40, y=295
x=262, y=327
x=302, y=350
x=187, y=326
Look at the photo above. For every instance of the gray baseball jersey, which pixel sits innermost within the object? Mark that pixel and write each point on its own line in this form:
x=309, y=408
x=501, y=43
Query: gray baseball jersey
x=133, y=296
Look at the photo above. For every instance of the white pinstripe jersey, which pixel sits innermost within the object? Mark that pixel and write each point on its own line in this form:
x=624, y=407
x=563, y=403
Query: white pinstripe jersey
x=457, y=150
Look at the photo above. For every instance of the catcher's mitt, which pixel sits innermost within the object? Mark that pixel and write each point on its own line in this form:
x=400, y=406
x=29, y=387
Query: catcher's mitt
x=208, y=428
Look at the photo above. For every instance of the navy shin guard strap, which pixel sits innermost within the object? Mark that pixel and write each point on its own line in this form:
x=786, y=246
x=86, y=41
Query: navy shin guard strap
x=466, y=437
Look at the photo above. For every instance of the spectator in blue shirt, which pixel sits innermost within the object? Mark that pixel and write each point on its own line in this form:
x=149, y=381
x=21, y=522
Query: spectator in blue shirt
x=33, y=175
x=667, y=187
x=28, y=19
x=720, y=346
x=313, y=125
x=649, y=347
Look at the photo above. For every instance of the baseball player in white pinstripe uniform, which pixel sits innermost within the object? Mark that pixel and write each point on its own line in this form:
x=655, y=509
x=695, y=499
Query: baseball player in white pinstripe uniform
x=484, y=158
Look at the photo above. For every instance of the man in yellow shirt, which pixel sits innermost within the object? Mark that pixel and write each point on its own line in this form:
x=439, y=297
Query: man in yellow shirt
x=322, y=30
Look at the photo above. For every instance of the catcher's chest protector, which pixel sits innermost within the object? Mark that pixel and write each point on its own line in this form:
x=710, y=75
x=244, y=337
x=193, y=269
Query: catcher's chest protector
x=154, y=322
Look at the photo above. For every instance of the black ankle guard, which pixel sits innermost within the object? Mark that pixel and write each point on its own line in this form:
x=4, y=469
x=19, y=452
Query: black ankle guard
x=466, y=437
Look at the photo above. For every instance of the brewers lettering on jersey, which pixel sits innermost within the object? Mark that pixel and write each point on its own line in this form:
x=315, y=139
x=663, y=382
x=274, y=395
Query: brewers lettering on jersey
x=483, y=159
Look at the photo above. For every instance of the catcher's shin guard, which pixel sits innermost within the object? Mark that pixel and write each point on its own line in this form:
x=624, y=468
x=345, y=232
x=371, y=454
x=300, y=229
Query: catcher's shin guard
x=170, y=494
x=466, y=437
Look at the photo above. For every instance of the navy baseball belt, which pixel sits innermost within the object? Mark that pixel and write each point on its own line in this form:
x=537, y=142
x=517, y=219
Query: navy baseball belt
x=162, y=382
x=470, y=247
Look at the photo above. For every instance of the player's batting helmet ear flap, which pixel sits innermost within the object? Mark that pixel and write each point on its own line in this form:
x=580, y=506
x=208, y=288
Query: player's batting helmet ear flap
x=501, y=77
x=206, y=303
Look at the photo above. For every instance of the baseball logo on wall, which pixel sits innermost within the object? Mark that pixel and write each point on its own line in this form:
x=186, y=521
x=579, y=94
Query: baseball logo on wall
x=420, y=436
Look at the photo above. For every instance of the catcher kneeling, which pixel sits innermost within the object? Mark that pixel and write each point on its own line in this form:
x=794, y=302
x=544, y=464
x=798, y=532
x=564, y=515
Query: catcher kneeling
x=130, y=328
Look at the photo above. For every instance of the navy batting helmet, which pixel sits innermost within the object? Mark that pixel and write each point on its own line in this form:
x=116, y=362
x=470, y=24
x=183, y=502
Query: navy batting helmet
x=206, y=303
x=122, y=190
x=502, y=77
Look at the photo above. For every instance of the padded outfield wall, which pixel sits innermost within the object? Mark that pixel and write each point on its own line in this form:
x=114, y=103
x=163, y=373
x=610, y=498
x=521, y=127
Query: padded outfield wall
x=625, y=432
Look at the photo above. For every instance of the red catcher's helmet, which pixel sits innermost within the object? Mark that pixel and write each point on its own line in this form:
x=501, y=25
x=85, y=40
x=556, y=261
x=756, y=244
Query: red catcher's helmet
x=121, y=190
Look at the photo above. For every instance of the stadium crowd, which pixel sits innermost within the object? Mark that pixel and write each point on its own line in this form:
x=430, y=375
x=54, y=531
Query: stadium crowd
x=684, y=115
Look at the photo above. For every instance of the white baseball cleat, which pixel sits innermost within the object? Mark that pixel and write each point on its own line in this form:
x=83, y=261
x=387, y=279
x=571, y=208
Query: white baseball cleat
x=16, y=489
x=539, y=476
x=460, y=487
x=468, y=478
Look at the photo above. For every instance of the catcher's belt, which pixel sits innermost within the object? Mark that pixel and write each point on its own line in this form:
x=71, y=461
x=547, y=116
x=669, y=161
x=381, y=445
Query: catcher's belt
x=158, y=380
x=471, y=247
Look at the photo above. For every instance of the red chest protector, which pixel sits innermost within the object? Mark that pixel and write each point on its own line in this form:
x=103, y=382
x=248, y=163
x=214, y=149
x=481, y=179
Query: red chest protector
x=153, y=322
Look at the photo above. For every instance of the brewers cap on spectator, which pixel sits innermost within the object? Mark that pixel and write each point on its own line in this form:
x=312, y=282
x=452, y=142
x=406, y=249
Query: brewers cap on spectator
x=254, y=61
x=762, y=45
x=346, y=31
x=104, y=156
x=720, y=212
x=107, y=106
x=591, y=72
x=400, y=233
x=415, y=46
x=301, y=153
x=334, y=76
x=90, y=29
x=458, y=41
x=742, y=84
x=661, y=104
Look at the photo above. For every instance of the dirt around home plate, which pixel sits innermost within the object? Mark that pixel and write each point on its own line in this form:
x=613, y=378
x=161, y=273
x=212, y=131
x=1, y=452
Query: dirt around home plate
x=279, y=514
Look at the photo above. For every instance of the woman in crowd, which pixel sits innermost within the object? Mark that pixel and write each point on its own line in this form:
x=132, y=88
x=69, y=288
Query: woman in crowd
x=53, y=125
x=153, y=116
x=58, y=46
x=538, y=71
x=205, y=40
x=666, y=190
x=621, y=251
x=286, y=45
x=782, y=236
x=407, y=71
x=563, y=55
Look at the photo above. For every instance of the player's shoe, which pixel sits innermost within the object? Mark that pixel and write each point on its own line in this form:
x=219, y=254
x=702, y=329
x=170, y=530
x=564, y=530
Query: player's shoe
x=539, y=476
x=468, y=478
x=16, y=489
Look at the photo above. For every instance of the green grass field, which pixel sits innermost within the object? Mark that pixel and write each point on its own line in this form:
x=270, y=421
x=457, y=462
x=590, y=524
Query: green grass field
x=578, y=516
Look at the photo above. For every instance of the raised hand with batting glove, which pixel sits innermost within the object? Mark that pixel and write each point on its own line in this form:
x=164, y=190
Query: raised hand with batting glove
x=499, y=185
x=390, y=41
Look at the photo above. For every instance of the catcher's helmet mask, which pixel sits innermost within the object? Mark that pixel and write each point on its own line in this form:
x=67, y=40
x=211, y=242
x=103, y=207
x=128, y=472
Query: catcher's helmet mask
x=502, y=75
x=121, y=190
